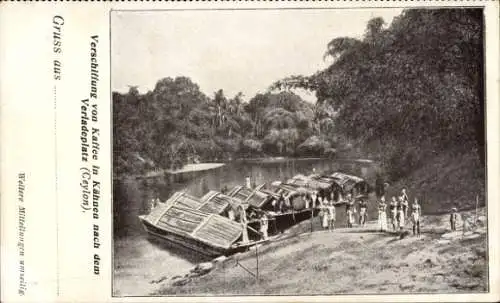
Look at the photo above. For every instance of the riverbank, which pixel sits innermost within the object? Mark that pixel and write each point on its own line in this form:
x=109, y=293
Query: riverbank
x=352, y=261
x=366, y=261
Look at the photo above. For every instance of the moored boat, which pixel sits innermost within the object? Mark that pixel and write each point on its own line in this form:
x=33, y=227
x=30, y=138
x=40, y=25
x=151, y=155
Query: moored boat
x=208, y=234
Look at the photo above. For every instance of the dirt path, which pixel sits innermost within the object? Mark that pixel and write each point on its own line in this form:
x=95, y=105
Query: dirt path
x=353, y=261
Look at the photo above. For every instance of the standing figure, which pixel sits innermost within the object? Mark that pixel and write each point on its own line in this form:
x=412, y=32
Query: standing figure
x=244, y=223
x=362, y=212
x=288, y=204
x=453, y=219
x=350, y=217
x=230, y=214
x=382, y=215
x=306, y=200
x=404, y=195
x=324, y=218
x=415, y=217
x=281, y=202
x=401, y=214
x=153, y=204
x=331, y=215
x=404, y=203
x=264, y=224
x=393, y=211
x=350, y=212
x=313, y=199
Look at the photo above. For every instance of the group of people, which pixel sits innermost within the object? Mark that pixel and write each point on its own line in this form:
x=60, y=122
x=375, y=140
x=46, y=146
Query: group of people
x=328, y=211
x=398, y=211
x=282, y=204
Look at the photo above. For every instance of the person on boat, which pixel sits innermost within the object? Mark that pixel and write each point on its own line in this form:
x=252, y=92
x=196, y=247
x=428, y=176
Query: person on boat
x=244, y=223
x=264, y=225
x=416, y=212
x=401, y=214
x=152, y=204
x=230, y=214
x=382, y=215
x=224, y=189
x=393, y=211
x=279, y=204
x=288, y=204
x=363, y=205
x=453, y=219
x=313, y=199
x=331, y=215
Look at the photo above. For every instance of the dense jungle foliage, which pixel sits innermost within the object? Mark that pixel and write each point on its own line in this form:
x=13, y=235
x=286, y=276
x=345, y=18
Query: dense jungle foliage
x=410, y=91
x=400, y=94
x=176, y=123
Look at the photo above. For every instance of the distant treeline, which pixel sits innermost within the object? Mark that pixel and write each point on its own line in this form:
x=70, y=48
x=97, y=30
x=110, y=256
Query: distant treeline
x=401, y=94
x=410, y=91
x=176, y=123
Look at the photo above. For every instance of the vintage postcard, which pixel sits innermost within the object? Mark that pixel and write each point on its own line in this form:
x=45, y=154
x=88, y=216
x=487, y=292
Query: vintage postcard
x=249, y=151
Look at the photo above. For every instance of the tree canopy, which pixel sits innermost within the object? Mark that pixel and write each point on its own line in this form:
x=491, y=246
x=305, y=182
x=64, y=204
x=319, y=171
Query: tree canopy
x=411, y=89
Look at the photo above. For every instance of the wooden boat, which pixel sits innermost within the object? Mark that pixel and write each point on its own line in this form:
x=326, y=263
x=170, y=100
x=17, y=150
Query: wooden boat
x=321, y=184
x=213, y=202
x=350, y=184
x=253, y=197
x=208, y=234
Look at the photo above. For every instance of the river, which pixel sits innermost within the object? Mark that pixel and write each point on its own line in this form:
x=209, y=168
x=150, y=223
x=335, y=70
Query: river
x=138, y=261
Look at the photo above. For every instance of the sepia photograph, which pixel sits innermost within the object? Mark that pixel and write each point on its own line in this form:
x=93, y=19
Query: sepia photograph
x=298, y=152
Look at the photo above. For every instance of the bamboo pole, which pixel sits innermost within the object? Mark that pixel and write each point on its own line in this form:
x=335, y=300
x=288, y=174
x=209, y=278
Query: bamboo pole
x=257, y=256
x=475, y=215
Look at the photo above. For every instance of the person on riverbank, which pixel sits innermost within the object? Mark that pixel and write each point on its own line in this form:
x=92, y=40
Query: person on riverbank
x=404, y=195
x=393, y=211
x=350, y=211
x=416, y=212
x=453, y=219
x=382, y=215
x=363, y=205
x=404, y=205
x=324, y=216
x=350, y=217
x=331, y=215
x=401, y=214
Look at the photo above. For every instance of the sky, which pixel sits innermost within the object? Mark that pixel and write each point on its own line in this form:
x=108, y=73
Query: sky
x=234, y=50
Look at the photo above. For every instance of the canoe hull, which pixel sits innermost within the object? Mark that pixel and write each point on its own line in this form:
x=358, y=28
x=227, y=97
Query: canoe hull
x=187, y=243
